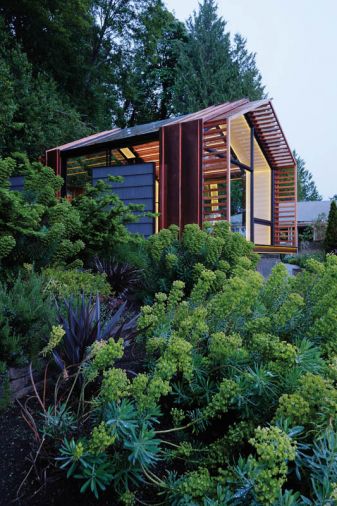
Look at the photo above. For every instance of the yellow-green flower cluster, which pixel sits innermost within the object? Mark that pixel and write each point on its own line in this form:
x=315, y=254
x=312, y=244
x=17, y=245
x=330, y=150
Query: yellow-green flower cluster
x=78, y=451
x=274, y=450
x=214, y=246
x=105, y=353
x=194, y=326
x=293, y=407
x=176, y=358
x=171, y=261
x=289, y=310
x=127, y=498
x=115, y=385
x=178, y=416
x=198, y=484
x=203, y=286
x=155, y=345
x=223, y=348
x=56, y=336
x=147, y=391
x=222, y=400
x=194, y=239
x=101, y=439
x=221, y=451
x=176, y=294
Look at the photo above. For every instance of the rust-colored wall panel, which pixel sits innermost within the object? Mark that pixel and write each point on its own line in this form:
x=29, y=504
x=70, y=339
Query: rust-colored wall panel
x=53, y=160
x=191, y=177
x=171, y=176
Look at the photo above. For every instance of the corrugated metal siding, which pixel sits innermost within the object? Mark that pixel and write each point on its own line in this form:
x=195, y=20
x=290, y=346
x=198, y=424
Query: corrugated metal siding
x=17, y=183
x=137, y=188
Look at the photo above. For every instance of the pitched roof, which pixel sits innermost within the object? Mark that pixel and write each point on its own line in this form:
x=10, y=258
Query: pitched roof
x=260, y=114
x=308, y=211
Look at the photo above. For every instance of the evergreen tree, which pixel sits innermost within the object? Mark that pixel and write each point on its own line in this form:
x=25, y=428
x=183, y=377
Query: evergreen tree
x=147, y=73
x=79, y=44
x=306, y=187
x=56, y=36
x=34, y=114
x=330, y=242
x=247, y=76
x=210, y=69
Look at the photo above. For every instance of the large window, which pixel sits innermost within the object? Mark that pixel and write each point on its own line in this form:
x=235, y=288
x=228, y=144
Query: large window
x=238, y=200
x=79, y=169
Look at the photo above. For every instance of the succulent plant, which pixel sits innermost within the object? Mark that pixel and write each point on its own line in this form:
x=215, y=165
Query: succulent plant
x=83, y=325
x=123, y=278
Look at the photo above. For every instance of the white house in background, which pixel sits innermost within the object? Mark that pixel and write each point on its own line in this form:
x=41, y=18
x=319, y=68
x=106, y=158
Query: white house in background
x=313, y=214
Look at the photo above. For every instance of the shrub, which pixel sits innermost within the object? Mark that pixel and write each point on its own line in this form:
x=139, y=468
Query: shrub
x=302, y=259
x=236, y=399
x=215, y=248
x=39, y=228
x=103, y=217
x=73, y=282
x=27, y=314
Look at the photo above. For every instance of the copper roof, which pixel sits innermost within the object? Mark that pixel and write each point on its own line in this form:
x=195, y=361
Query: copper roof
x=260, y=114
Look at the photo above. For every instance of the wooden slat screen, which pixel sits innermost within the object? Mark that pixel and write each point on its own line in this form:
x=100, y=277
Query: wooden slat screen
x=214, y=171
x=285, y=228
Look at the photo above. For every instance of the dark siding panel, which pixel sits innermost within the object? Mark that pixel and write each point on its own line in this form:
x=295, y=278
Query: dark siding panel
x=141, y=228
x=17, y=183
x=147, y=203
x=133, y=192
x=135, y=181
x=137, y=188
x=124, y=170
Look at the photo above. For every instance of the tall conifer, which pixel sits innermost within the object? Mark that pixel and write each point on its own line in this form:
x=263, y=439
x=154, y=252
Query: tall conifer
x=211, y=69
x=330, y=242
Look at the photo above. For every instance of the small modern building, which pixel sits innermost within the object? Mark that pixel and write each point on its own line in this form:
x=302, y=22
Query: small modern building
x=227, y=162
x=313, y=215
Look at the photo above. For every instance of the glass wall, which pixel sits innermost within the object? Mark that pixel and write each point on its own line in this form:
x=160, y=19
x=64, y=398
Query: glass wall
x=78, y=171
x=238, y=200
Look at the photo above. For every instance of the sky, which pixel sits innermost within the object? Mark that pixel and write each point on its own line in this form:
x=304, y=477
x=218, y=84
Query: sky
x=295, y=42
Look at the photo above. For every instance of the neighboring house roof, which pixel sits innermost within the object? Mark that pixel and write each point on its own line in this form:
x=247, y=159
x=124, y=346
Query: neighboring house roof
x=308, y=211
x=236, y=219
x=260, y=114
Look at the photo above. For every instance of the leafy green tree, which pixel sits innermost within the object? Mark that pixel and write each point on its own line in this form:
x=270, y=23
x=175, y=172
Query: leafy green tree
x=210, y=69
x=55, y=35
x=34, y=114
x=77, y=44
x=330, y=242
x=306, y=187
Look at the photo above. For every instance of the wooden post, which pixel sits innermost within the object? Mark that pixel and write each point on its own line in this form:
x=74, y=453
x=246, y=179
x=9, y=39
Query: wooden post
x=228, y=178
x=252, y=184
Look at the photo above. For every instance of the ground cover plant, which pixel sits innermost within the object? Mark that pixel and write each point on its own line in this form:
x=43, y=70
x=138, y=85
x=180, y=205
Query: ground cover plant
x=235, y=402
